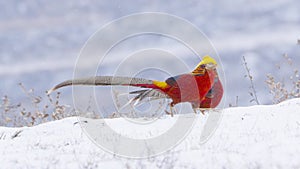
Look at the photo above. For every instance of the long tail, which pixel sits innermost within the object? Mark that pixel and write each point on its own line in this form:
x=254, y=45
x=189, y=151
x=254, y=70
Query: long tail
x=108, y=80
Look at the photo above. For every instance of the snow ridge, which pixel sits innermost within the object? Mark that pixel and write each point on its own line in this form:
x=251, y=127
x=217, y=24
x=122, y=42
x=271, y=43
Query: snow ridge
x=265, y=136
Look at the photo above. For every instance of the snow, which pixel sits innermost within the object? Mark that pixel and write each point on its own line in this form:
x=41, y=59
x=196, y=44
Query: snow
x=264, y=136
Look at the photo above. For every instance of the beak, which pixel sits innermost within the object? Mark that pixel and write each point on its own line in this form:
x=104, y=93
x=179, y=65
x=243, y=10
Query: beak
x=211, y=66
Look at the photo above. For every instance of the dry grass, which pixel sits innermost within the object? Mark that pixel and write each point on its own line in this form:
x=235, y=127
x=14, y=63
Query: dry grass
x=41, y=109
x=282, y=90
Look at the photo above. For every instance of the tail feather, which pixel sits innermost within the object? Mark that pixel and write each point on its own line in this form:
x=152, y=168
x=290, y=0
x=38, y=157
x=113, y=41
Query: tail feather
x=153, y=94
x=106, y=80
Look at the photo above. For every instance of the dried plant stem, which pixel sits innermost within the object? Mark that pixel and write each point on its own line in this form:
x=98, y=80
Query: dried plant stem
x=279, y=89
x=253, y=92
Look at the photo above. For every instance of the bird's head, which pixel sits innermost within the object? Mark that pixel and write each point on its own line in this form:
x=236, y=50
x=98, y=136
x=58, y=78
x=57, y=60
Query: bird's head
x=207, y=63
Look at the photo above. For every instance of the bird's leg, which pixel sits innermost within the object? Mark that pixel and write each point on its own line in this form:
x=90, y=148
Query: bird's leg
x=172, y=110
x=202, y=111
x=196, y=106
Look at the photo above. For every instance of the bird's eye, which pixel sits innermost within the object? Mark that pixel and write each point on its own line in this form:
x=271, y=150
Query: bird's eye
x=203, y=66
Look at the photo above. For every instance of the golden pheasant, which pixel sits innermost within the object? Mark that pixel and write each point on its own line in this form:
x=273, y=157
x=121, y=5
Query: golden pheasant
x=202, y=87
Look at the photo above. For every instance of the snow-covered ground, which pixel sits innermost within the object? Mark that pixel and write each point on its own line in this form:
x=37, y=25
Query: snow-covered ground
x=246, y=137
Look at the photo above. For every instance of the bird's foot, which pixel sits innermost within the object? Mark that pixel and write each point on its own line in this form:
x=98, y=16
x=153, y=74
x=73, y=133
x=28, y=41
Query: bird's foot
x=201, y=110
x=169, y=113
x=172, y=110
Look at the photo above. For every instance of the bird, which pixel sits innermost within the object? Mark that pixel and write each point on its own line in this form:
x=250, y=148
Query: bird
x=202, y=87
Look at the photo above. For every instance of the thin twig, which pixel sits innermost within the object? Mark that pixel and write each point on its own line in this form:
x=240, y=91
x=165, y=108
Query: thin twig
x=252, y=87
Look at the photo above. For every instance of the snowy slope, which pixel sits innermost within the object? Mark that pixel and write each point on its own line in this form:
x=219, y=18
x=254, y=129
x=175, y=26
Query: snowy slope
x=247, y=137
